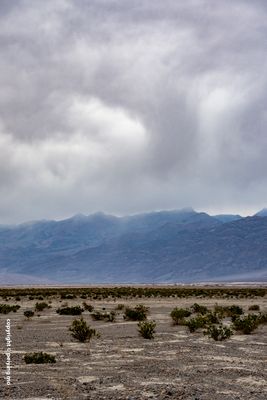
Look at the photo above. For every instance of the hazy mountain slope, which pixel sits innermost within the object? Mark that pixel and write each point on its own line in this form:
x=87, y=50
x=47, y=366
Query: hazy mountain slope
x=261, y=213
x=227, y=217
x=231, y=249
x=164, y=246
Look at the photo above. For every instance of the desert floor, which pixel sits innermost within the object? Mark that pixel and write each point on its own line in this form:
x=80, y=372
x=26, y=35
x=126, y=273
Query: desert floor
x=121, y=364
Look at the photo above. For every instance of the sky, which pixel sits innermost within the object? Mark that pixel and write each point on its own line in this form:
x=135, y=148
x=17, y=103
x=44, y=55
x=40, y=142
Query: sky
x=132, y=105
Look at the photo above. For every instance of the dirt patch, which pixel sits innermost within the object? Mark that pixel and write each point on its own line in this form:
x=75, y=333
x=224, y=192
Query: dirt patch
x=121, y=365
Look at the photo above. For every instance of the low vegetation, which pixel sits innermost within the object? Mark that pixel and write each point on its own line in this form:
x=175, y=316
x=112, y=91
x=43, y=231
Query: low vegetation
x=120, y=307
x=39, y=358
x=75, y=310
x=196, y=323
x=246, y=324
x=88, y=307
x=179, y=314
x=228, y=311
x=147, y=329
x=6, y=308
x=106, y=316
x=218, y=333
x=136, y=292
x=254, y=307
x=197, y=308
x=138, y=313
x=81, y=331
x=41, y=306
x=28, y=314
x=68, y=296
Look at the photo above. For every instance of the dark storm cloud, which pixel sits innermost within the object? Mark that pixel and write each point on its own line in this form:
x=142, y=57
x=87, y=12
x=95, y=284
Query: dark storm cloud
x=126, y=106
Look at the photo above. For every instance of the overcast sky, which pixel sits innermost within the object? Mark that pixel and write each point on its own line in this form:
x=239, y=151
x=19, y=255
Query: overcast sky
x=132, y=105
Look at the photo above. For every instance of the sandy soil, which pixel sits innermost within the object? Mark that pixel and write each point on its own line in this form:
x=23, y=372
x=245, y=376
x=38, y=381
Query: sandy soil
x=123, y=365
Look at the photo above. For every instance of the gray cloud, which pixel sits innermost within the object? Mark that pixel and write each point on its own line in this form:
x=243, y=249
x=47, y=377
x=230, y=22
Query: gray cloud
x=131, y=106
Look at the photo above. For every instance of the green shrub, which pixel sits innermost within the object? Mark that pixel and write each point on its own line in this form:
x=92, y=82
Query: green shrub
x=196, y=323
x=254, y=307
x=197, y=308
x=211, y=318
x=262, y=317
x=81, y=331
x=68, y=296
x=228, y=311
x=41, y=306
x=147, y=329
x=39, y=358
x=246, y=324
x=111, y=316
x=178, y=315
x=120, y=307
x=138, y=313
x=235, y=310
x=6, y=308
x=28, y=313
x=88, y=307
x=98, y=315
x=76, y=310
x=220, y=332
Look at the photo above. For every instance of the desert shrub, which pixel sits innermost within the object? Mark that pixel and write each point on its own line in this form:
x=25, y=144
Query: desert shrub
x=88, y=307
x=228, y=311
x=68, y=296
x=81, y=331
x=235, y=310
x=138, y=313
x=262, y=317
x=39, y=358
x=147, y=329
x=197, y=308
x=17, y=298
x=179, y=314
x=196, y=323
x=120, y=307
x=28, y=313
x=40, y=298
x=31, y=297
x=254, y=307
x=98, y=315
x=220, y=311
x=246, y=324
x=218, y=333
x=41, y=306
x=76, y=310
x=212, y=318
x=111, y=316
x=6, y=308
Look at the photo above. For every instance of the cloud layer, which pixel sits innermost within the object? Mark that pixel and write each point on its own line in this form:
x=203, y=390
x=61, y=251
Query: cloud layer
x=132, y=106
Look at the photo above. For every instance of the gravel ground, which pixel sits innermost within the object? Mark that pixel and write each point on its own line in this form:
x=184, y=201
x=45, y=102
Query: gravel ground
x=123, y=365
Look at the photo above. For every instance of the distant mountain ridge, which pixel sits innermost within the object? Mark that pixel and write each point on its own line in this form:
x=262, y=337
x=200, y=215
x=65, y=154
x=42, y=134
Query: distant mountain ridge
x=261, y=213
x=165, y=246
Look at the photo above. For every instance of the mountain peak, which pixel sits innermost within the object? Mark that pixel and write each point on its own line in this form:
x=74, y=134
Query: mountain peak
x=261, y=213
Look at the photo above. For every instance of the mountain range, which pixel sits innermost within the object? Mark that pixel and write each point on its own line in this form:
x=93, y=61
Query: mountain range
x=157, y=247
